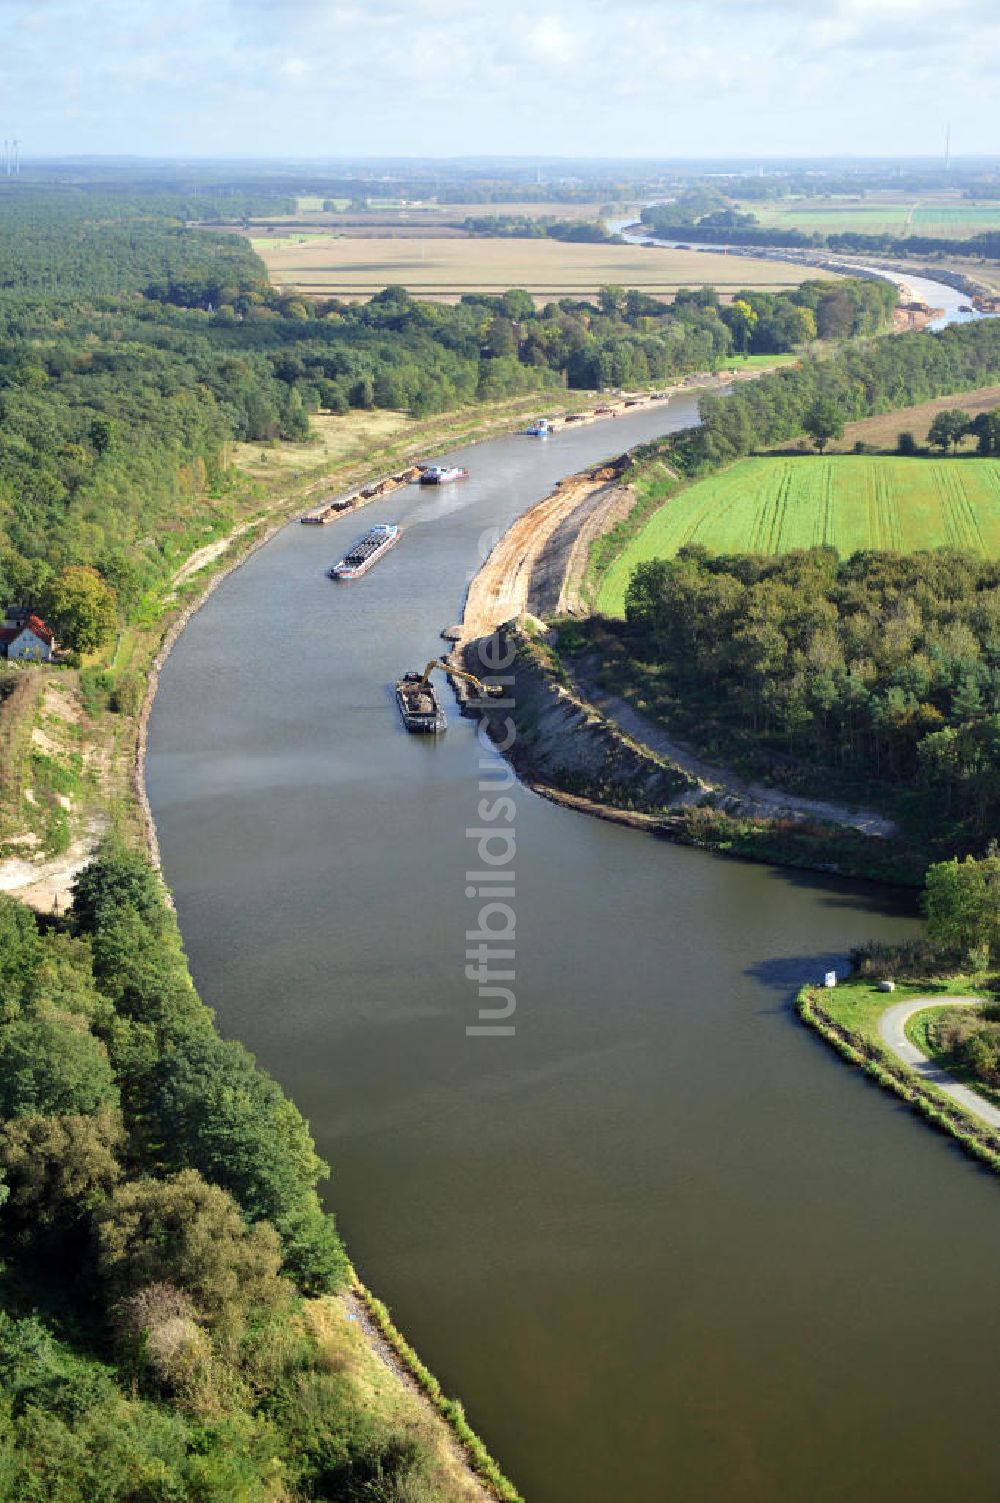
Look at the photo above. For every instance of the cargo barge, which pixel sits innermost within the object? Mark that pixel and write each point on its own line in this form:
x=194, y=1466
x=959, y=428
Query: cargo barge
x=436, y=474
x=365, y=552
x=419, y=705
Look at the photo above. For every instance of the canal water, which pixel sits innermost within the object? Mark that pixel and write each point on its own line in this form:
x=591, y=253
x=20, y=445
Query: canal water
x=661, y=1241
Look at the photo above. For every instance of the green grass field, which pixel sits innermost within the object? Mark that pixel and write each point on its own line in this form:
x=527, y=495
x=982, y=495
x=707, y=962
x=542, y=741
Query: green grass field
x=775, y=504
x=757, y=362
x=945, y=216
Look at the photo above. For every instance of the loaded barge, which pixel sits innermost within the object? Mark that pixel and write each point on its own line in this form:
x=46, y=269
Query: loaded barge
x=362, y=554
x=419, y=705
x=436, y=474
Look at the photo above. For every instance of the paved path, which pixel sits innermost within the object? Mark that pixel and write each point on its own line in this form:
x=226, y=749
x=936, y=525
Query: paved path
x=892, y=1030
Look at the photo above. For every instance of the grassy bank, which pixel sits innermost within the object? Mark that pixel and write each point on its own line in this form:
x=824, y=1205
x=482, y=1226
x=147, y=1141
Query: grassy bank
x=450, y=1410
x=847, y=1017
x=809, y=845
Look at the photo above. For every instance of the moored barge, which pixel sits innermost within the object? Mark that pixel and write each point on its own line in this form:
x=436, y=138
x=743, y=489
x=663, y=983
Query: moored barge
x=366, y=551
x=419, y=705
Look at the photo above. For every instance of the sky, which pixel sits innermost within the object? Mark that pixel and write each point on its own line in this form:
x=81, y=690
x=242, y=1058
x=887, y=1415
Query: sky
x=656, y=78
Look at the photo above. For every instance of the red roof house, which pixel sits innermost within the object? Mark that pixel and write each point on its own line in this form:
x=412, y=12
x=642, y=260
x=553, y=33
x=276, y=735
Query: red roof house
x=24, y=637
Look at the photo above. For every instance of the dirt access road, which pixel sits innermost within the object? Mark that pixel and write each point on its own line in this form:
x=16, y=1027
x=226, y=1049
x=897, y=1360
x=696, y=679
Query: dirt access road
x=756, y=799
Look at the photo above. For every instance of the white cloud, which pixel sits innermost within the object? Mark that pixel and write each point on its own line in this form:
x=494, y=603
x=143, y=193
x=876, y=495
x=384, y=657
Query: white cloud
x=564, y=76
x=551, y=41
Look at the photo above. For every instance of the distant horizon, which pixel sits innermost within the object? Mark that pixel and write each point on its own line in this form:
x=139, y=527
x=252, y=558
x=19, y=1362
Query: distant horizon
x=530, y=161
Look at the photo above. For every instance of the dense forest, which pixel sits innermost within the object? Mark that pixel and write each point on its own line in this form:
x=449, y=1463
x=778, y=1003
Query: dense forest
x=881, y=667
x=160, y=1230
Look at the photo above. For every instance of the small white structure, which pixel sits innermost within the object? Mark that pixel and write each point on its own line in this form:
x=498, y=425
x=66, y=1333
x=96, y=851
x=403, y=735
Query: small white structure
x=830, y=979
x=25, y=638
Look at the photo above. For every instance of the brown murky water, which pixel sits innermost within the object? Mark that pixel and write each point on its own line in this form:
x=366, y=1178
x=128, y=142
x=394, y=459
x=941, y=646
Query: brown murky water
x=661, y=1242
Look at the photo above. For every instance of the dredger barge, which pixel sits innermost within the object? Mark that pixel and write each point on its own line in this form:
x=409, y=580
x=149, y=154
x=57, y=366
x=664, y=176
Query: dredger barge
x=419, y=705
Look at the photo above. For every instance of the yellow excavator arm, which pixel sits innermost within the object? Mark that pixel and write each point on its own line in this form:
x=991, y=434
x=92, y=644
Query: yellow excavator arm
x=489, y=691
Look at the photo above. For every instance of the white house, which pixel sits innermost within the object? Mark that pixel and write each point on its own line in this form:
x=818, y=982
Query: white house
x=25, y=638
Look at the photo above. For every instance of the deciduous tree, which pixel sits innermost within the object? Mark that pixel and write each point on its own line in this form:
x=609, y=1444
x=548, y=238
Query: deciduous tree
x=81, y=608
x=823, y=422
x=190, y=1234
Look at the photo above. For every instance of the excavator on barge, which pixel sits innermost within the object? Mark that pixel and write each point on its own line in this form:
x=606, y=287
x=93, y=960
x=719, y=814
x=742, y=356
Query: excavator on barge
x=418, y=703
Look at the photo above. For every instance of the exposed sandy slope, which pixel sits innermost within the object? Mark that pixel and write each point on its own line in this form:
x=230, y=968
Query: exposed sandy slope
x=207, y=555
x=502, y=588
x=46, y=882
x=47, y=885
x=610, y=508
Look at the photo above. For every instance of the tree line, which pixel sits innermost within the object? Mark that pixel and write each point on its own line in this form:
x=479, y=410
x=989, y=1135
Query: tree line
x=856, y=381
x=953, y=425
x=539, y=227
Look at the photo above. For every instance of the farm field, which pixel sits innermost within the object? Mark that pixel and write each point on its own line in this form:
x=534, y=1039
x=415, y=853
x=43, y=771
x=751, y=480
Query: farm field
x=324, y=266
x=944, y=215
x=773, y=505
x=883, y=431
